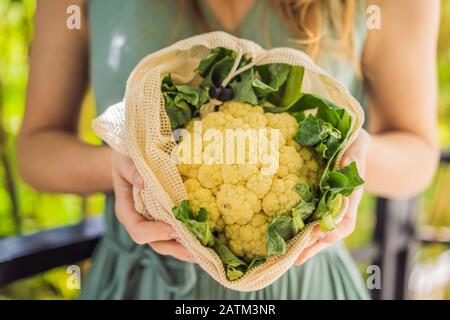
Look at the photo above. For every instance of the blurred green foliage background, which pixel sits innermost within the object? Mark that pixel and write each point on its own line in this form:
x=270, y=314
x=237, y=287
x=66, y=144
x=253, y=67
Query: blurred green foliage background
x=23, y=210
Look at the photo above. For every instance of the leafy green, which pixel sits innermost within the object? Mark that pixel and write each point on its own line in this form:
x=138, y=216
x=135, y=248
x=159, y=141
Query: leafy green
x=286, y=93
x=215, y=56
x=182, y=102
x=315, y=132
x=280, y=230
x=327, y=223
x=292, y=88
x=275, y=242
x=255, y=262
x=304, y=191
x=273, y=76
x=278, y=84
x=297, y=220
x=227, y=257
x=242, y=88
x=326, y=131
x=335, y=185
x=343, y=180
x=197, y=223
x=218, y=72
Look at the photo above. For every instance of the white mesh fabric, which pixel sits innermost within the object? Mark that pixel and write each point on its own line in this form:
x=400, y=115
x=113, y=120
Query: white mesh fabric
x=140, y=128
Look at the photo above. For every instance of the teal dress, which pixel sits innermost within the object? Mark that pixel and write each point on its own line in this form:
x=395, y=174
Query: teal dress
x=122, y=32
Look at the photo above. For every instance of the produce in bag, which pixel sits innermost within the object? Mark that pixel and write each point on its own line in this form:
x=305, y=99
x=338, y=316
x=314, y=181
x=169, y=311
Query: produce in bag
x=245, y=223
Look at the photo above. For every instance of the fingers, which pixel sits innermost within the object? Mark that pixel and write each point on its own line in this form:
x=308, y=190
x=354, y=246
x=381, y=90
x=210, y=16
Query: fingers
x=159, y=235
x=140, y=229
x=310, y=252
x=128, y=171
x=172, y=248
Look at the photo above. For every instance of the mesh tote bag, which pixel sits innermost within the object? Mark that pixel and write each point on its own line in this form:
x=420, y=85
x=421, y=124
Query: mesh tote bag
x=140, y=128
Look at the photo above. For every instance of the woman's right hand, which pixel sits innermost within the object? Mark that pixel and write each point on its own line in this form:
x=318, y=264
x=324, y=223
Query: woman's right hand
x=157, y=234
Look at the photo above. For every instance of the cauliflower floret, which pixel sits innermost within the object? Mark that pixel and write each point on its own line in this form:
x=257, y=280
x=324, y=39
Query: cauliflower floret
x=284, y=122
x=202, y=198
x=282, y=196
x=210, y=175
x=312, y=167
x=237, y=173
x=236, y=109
x=248, y=241
x=237, y=204
x=256, y=118
x=188, y=170
x=215, y=120
x=260, y=184
x=290, y=161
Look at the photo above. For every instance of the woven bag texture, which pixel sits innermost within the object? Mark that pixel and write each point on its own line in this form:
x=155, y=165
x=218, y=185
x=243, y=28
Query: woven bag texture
x=139, y=127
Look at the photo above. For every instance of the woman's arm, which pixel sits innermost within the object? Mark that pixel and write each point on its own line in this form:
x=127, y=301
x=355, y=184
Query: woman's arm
x=50, y=155
x=399, y=64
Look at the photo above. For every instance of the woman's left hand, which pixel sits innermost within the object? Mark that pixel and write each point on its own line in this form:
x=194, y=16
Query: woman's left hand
x=357, y=152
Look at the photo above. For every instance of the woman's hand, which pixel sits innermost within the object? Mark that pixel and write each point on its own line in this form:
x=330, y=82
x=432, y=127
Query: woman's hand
x=157, y=234
x=357, y=152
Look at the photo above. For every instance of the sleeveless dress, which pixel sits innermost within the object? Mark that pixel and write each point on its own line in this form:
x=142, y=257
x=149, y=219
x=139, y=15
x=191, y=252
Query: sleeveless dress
x=122, y=32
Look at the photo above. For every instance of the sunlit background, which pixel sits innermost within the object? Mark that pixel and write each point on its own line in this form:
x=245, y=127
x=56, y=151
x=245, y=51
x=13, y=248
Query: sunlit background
x=24, y=211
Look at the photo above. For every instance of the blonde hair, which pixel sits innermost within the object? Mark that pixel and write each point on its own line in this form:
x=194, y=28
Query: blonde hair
x=308, y=19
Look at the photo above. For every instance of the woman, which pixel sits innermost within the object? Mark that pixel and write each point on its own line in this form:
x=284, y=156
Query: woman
x=397, y=64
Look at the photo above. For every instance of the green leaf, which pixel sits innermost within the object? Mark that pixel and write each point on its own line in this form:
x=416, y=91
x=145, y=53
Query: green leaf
x=313, y=130
x=202, y=215
x=336, y=205
x=304, y=191
x=227, y=257
x=182, y=102
x=202, y=231
x=234, y=273
x=215, y=56
x=297, y=219
x=273, y=76
x=343, y=180
x=292, y=88
x=243, y=89
x=281, y=229
x=335, y=185
x=179, y=114
x=326, y=110
x=327, y=223
x=183, y=211
x=256, y=261
x=218, y=72
x=275, y=243
x=234, y=267
x=323, y=206
x=286, y=96
x=196, y=223
x=304, y=209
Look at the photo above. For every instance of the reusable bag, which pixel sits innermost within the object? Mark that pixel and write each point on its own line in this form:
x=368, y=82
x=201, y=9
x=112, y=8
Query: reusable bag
x=140, y=128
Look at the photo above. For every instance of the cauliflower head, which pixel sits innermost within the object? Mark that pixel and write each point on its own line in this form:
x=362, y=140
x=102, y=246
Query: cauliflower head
x=241, y=199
